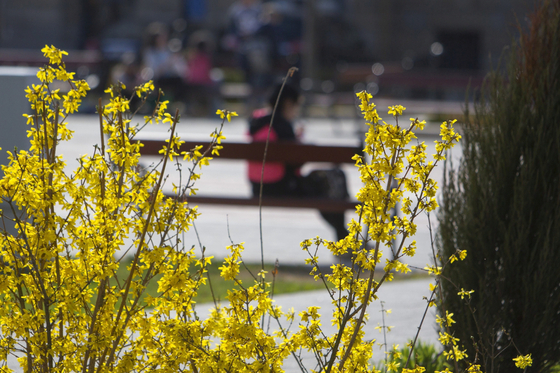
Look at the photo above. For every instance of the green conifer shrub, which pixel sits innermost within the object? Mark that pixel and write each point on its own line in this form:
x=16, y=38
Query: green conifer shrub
x=502, y=205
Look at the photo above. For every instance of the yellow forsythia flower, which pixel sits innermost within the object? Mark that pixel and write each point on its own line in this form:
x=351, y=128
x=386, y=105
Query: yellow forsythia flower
x=523, y=361
x=396, y=110
x=226, y=114
x=53, y=54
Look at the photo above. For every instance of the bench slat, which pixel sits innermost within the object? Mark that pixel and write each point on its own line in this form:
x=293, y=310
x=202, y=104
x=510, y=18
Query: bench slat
x=288, y=152
x=323, y=204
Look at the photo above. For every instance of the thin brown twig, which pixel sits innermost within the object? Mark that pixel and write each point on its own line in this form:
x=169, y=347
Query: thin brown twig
x=438, y=281
x=140, y=245
x=290, y=73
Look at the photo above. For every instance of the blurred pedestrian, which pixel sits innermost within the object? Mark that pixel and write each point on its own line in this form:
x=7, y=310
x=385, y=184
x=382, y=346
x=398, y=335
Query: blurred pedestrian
x=251, y=50
x=201, y=90
x=160, y=64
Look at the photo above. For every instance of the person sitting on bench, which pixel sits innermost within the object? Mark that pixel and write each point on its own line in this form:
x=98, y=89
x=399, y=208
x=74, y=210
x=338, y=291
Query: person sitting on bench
x=281, y=179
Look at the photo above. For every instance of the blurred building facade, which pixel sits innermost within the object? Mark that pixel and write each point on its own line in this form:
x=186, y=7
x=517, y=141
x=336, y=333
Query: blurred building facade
x=469, y=32
x=402, y=48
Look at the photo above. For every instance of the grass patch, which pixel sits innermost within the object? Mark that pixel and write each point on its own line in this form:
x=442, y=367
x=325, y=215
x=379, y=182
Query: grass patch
x=288, y=279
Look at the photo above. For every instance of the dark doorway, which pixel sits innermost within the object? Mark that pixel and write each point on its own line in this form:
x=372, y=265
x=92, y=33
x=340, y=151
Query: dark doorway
x=461, y=50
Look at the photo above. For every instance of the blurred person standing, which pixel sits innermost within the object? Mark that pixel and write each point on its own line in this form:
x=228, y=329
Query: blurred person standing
x=282, y=33
x=199, y=65
x=162, y=65
x=252, y=51
x=201, y=91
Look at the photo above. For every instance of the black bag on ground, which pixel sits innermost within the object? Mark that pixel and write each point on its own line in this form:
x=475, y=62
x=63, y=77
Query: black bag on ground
x=326, y=183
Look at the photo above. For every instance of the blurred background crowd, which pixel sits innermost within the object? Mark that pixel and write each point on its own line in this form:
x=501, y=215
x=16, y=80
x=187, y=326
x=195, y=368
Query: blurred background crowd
x=204, y=52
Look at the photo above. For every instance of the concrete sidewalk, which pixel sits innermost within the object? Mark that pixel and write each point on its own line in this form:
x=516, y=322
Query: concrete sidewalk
x=406, y=299
x=284, y=229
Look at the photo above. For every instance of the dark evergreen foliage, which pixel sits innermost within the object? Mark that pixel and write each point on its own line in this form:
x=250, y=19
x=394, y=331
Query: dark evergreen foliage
x=502, y=205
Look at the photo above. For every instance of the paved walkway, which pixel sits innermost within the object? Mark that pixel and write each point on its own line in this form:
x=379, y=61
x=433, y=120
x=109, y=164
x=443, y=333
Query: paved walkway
x=284, y=229
x=404, y=298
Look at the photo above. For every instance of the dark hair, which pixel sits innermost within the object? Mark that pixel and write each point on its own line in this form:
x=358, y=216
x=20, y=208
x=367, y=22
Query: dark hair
x=288, y=93
x=201, y=46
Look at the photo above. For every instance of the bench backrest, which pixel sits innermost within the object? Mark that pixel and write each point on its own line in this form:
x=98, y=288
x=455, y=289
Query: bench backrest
x=288, y=152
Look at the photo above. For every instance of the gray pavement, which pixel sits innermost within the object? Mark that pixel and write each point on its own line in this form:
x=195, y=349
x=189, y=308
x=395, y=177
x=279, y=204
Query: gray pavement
x=284, y=229
x=404, y=299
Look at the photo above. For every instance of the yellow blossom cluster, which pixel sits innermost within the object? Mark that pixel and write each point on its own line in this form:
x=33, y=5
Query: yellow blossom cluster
x=392, y=171
x=523, y=361
x=64, y=309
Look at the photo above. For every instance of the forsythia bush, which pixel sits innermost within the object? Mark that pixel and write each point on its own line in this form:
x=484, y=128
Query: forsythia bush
x=63, y=309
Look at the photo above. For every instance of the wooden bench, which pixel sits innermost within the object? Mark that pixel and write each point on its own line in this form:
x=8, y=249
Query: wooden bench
x=33, y=57
x=286, y=152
